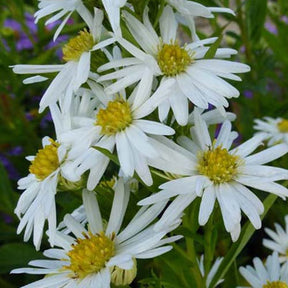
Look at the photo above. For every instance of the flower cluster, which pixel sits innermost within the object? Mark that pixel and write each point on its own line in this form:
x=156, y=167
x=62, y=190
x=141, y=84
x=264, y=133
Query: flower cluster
x=117, y=72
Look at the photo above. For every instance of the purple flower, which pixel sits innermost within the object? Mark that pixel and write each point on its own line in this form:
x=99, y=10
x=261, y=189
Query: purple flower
x=46, y=120
x=248, y=94
x=12, y=172
x=271, y=27
x=7, y=219
x=23, y=42
x=284, y=19
x=16, y=151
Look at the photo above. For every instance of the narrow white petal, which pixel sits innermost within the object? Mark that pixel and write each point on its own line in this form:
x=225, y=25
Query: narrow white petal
x=92, y=211
x=207, y=205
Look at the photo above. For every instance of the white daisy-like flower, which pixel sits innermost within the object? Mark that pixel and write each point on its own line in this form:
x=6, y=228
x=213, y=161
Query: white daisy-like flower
x=118, y=122
x=268, y=275
x=37, y=202
x=102, y=254
x=221, y=173
x=275, y=128
x=62, y=8
x=196, y=79
x=76, y=70
x=279, y=242
x=212, y=271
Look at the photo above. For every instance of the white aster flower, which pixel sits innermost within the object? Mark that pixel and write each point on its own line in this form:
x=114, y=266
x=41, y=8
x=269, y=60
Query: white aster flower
x=76, y=70
x=275, y=128
x=268, y=275
x=212, y=271
x=62, y=8
x=102, y=254
x=118, y=122
x=279, y=242
x=37, y=202
x=196, y=79
x=223, y=173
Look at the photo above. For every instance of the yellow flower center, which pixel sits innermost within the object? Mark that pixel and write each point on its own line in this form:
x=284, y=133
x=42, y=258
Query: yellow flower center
x=115, y=118
x=275, y=284
x=76, y=46
x=218, y=165
x=46, y=161
x=90, y=254
x=283, y=126
x=172, y=59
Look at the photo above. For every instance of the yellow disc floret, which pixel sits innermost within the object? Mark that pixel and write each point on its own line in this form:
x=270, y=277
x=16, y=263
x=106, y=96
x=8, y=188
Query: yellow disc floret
x=46, y=161
x=275, y=284
x=90, y=254
x=218, y=165
x=283, y=126
x=76, y=46
x=115, y=118
x=173, y=59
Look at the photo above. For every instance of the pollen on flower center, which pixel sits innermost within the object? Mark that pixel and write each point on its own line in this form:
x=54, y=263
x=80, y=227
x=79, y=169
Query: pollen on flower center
x=115, y=118
x=218, y=165
x=275, y=284
x=172, y=59
x=90, y=254
x=283, y=126
x=46, y=161
x=76, y=46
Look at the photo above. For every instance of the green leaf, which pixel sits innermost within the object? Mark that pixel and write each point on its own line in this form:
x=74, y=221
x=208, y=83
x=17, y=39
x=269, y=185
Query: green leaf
x=8, y=197
x=16, y=255
x=107, y=153
x=213, y=48
x=256, y=15
x=238, y=246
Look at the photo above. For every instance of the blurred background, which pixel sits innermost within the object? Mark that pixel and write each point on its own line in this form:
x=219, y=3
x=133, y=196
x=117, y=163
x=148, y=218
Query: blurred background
x=258, y=32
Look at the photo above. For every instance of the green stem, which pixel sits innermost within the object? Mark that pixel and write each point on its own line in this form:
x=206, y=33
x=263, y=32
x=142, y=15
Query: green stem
x=190, y=247
x=208, y=247
x=247, y=232
x=243, y=29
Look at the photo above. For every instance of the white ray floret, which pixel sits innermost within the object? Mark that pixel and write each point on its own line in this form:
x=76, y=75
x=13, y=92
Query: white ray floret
x=190, y=9
x=221, y=173
x=212, y=271
x=108, y=249
x=112, y=8
x=268, y=275
x=61, y=8
x=197, y=79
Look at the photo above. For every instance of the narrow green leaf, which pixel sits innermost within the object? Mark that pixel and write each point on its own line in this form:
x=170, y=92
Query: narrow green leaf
x=238, y=246
x=255, y=16
x=213, y=48
x=107, y=153
x=16, y=255
x=8, y=197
